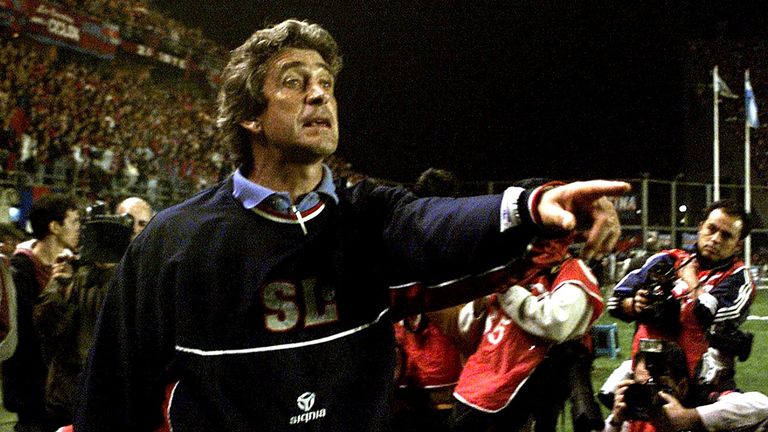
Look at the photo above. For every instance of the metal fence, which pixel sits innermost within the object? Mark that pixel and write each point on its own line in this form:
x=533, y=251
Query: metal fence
x=656, y=214
x=662, y=214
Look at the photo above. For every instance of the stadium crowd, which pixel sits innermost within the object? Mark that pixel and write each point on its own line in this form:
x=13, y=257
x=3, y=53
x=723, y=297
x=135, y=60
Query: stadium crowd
x=101, y=125
x=140, y=21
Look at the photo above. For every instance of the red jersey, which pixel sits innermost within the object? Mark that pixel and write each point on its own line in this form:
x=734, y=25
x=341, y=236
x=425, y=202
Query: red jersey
x=507, y=355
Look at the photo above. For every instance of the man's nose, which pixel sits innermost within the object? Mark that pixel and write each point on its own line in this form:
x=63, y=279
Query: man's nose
x=318, y=95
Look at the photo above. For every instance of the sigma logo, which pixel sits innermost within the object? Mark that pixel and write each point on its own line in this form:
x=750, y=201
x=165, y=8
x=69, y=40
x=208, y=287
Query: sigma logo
x=305, y=402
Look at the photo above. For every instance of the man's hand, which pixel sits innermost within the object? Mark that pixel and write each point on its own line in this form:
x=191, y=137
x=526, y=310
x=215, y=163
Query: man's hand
x=639, y=301
x=677, y=416
x=62, y=271
x=619, y=406
x=689, y=273
x=61, y=275
x=560, y=207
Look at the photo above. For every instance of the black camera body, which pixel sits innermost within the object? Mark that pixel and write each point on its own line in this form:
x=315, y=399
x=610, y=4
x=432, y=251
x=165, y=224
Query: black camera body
x=731, y=341
x=663, y=309
x=642, y=399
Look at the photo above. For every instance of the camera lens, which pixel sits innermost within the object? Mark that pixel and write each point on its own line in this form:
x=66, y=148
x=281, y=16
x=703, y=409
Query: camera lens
x=641, y=400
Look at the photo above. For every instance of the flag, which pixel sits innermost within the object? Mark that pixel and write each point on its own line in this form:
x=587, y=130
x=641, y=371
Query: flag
x=721, y=88
x=750, y=106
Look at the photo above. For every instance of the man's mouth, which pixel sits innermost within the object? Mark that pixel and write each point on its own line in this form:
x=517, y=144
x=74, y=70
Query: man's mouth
x=318, y=122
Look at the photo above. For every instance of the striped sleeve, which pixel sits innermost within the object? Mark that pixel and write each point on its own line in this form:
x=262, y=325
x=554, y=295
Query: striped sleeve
x=728, y=301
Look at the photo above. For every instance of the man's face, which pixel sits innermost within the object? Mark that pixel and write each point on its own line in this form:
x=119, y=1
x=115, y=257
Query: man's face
x=141, y=214
x=141, y=217
x=300, y=120
x=8, y=246
x=719, y=236
x=69, y=230
x=642, y=375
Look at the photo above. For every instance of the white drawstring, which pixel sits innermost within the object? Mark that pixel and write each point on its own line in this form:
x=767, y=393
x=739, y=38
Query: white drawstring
x=299, y=218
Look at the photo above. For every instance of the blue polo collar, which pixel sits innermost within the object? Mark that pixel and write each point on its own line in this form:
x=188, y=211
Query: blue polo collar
x=252, y=194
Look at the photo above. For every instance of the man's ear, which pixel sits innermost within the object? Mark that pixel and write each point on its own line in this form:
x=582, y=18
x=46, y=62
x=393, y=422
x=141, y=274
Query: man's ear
x=739, y=247
x=54, y=227
x=253, y=126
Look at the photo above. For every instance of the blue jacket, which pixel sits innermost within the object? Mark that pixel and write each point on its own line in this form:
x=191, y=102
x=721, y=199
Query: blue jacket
x=254, y=325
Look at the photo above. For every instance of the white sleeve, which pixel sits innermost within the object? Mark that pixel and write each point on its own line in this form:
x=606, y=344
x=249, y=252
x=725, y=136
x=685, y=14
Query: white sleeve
x=471, y=325
x=510, y=212
x=611, y=428
x=733, y=411
x=559, y=316
x=470, y=319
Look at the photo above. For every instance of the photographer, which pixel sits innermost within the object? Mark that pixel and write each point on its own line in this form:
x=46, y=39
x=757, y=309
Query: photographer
x=679, y=295
x=657, y=398
x=531, y=357
x=67, y=309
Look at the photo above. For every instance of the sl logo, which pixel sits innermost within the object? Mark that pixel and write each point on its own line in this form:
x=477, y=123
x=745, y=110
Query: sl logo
x=306, y=401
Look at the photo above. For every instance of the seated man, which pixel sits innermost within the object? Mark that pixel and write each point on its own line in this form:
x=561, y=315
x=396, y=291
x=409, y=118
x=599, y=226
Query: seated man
x=657, y=398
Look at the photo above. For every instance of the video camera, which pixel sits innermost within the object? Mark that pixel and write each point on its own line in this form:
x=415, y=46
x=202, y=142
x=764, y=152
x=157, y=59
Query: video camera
x=642, y=399
x=731, y=341
x=104, y=237
x=716, y=370
x=663, y=309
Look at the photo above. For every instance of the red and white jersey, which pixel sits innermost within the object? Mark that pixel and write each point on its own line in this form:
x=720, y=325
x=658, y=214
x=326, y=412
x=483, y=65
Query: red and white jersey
x=431, y=358
x=507, y=355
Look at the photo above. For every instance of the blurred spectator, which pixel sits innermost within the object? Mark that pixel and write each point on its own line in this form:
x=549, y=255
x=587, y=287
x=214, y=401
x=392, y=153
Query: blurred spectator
x=56, y=227
x=10, y=236
x=139, y=209
x=66, y=313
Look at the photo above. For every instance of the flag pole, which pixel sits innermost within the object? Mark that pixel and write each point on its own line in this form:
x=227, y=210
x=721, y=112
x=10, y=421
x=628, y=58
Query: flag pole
x=716, y=139
x=747, y=172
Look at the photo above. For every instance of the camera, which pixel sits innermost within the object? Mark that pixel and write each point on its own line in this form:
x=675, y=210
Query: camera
x=585, y=411
x=716, y=371
x=663, y=309
x=731, y=341
x=642, y=399
x=104, y=237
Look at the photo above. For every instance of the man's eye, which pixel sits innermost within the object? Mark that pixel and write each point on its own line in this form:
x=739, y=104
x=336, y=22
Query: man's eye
x=293, y=83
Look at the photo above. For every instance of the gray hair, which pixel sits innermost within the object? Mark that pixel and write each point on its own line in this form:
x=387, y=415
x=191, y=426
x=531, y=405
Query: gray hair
x=241, y=97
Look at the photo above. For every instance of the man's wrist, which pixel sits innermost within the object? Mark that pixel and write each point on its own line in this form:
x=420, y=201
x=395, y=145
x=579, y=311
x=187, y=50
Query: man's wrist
x=615, y=422
x=534, y=199
x=628, y=306
x=510, y=208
